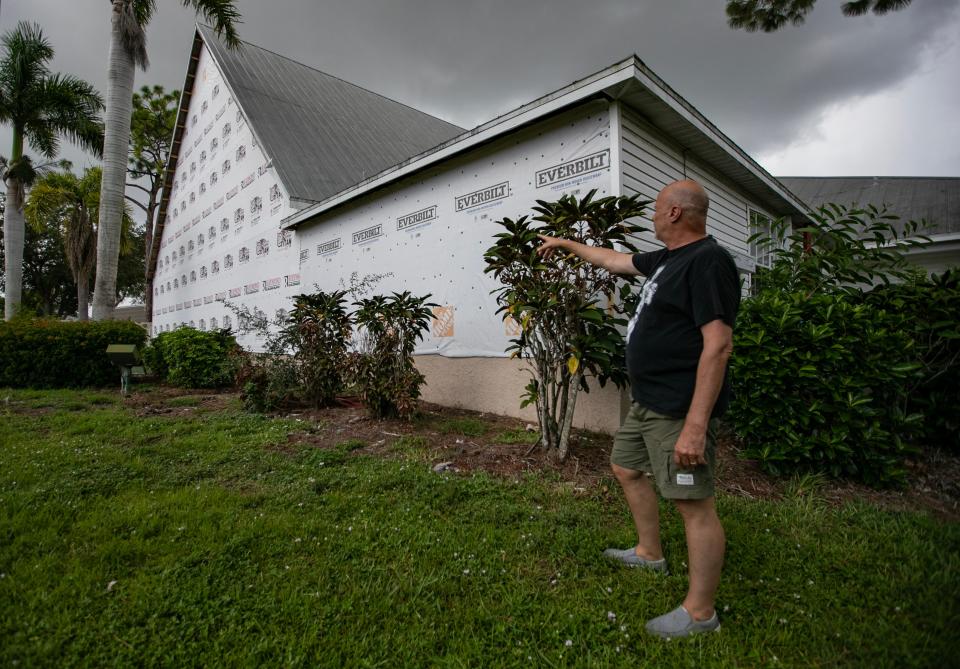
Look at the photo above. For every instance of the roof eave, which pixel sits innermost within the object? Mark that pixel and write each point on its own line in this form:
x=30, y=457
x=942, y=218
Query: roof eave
x=614, y=82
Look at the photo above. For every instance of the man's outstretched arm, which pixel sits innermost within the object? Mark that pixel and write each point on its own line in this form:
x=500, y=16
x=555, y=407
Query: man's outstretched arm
x=614, y=262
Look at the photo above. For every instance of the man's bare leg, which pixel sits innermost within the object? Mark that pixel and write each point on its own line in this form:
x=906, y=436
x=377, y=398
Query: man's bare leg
x=642, y=500
x=705, y=547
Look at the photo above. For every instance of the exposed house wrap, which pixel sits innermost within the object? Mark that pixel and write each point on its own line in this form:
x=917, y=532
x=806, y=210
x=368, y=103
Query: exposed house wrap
x=281, y=219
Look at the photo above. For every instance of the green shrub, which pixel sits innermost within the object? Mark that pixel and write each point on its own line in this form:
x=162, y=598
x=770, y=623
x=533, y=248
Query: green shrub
x=389, y=328
x=822, y=373
x=59, y=354
x=316, y=334
x=190, y=358
x=929, y=311
x=268, y=382
x=306, y=358
x=820, y=383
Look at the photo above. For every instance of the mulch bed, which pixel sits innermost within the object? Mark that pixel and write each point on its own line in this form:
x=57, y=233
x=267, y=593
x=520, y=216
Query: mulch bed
x=933, y=481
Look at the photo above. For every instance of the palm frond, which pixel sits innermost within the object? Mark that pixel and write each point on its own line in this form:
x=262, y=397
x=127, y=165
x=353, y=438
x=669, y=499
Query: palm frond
x=132, y=17
x=73, y=109
x=224, y=16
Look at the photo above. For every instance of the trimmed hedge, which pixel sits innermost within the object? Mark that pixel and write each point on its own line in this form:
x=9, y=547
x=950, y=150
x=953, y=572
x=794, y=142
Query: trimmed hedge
x=820, y=384
x=62, y=354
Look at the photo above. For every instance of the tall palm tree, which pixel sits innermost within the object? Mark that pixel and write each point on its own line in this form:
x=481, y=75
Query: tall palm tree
x=128, y=50
x=40, y=106
x=71, y=204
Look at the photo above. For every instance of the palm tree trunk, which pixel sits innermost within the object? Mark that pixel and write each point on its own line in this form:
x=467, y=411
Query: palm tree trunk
x=13, y=235
x=148, y=242
x=115, y=146
x=83, y=296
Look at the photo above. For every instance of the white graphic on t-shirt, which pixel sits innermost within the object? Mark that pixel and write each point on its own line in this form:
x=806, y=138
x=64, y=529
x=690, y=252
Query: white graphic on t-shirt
x=646, y=297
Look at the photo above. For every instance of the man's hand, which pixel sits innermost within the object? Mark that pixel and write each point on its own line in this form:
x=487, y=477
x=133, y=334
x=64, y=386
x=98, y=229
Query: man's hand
x=550, y=244
x=689, y=451
x=610, y=260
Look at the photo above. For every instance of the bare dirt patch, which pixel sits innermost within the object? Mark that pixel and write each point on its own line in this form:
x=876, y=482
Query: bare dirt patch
x=471, y=441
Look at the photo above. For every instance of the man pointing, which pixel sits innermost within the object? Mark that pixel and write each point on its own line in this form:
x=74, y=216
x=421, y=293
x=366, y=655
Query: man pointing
x=678, y=344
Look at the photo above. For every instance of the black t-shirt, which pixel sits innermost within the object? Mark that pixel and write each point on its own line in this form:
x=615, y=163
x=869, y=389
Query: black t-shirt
x=685, y=288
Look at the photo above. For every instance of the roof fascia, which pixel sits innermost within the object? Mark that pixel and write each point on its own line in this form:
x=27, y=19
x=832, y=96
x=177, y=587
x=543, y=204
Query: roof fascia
x=654, y=83
x=170, y=168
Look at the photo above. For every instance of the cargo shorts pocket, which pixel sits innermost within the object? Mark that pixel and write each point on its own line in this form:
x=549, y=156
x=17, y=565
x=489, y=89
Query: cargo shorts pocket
x=677, y=482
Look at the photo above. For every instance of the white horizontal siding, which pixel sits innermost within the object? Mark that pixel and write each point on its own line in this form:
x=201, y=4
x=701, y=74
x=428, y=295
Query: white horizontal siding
x=650, y=161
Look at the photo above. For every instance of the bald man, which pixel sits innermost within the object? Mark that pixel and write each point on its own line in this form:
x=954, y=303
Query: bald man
x=678, y=344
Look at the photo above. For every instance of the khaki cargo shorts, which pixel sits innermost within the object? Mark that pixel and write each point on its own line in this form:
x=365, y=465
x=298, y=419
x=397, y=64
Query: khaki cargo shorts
x=644, y=443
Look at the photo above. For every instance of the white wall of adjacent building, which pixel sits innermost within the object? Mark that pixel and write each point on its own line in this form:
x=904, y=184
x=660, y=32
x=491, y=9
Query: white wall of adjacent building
x=222, y=239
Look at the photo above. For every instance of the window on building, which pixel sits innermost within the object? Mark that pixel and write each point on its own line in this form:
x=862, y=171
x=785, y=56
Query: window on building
x=241, y=152
x=256, y=205
x=284, y=239
x=274, y=192
x=263, y=247
x=238, y=215
x=226, y=322
x=203, y=272
x=244, y=254
x=226, y=130
x=214, y=267
x=227, y=261
x=226, y=167
x=763, y=249
x=224, y=225
x=193, y=276
x=213, y=322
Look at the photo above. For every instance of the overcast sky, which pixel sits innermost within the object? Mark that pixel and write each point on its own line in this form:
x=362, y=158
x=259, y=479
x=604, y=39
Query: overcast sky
x=836, y=96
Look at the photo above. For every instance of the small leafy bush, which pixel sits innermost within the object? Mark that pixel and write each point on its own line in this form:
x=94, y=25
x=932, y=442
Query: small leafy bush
x=929, y=313
x=388, y=329
x=306, y=358
x=190, y=358
x=317, y=332
x=820, y=383
x=57, y=354
x=267, y=382
x=567, y=310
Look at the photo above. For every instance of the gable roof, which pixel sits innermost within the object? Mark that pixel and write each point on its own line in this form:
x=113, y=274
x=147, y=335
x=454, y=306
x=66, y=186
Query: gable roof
x=935, y=199
x=630, y=81
x=322, y=134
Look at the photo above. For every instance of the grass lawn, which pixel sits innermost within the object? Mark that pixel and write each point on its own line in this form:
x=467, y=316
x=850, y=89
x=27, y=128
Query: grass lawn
x=207, y=539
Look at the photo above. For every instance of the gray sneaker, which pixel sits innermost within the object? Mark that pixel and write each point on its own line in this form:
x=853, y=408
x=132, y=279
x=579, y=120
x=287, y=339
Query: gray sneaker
x=679, y=623
x=629, y=557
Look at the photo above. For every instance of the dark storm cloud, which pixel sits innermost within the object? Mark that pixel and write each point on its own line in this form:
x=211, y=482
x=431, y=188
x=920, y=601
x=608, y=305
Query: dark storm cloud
x=468, y=62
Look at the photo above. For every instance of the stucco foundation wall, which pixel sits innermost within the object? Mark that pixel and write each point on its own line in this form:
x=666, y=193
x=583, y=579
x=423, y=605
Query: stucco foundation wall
x=495, y=385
